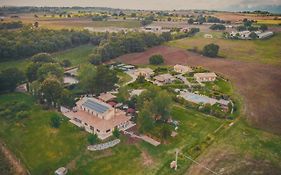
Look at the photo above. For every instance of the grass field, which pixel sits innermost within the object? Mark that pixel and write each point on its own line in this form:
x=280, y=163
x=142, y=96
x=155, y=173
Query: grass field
x=269, y=22
x=41, y=148
x=77, y=55
x=263, y=51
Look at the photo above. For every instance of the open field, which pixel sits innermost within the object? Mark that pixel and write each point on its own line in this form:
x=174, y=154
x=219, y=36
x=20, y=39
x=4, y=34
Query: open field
x=233, y=17
x=75, y=22
x=66, y=146
x=77, y=55
x=41, y=148
x=242, y=150
x=269, y=22
x=257, y=83
x=262, y=51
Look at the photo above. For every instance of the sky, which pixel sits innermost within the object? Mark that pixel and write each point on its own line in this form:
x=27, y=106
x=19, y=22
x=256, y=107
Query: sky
x=149, y=4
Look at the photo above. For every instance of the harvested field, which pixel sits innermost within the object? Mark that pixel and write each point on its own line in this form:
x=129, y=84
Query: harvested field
x=258, y=84
x=233, y=17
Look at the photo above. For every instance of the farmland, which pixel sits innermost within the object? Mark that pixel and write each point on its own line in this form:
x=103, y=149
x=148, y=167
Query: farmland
x=261, y=51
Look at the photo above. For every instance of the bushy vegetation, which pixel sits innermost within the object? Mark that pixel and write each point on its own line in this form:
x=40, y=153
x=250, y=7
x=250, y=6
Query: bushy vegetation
x=27, y=42
x=10, y=78
x=211, y=50
x=217, y=27
x=121, y=43
x=97, y=80
x=156, y=59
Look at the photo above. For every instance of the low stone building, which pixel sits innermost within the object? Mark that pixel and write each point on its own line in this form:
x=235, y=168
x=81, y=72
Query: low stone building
x=205, y=77
x=146, y=72
x=182, y=69
x=164, y=78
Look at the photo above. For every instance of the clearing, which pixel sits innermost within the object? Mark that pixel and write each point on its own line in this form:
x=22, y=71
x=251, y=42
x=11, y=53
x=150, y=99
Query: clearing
x=262, y=51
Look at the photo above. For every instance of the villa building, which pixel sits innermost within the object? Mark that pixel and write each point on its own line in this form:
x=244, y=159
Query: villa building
x=182, y=69
x=164, y=78
x=146, y=72
x=98, y=117
x=205, y=77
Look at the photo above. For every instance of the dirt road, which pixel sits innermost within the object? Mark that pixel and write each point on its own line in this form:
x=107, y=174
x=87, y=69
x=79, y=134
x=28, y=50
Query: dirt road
x=17, y=167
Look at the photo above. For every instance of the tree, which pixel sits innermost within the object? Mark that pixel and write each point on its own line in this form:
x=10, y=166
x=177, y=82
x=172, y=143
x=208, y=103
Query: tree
x=190, y=21
x=241, y=28
x=87, y=76
x=165, y=132
x=92, y=139
x=161, y=105
x=50, y=69
x=253, y=35
x=31, y=71
x=140, y=79
x=105, y=79
x=42, y=58
x=166, y=36
x=10, y=79
x=51, y=88
x=95, y=59
x=217, y=27
x=156, y=59
x=67, y=98
x=211, y=50
x=116, y=133
x=145, y=121
x=55, y=121
x=65, y=63
x=98, y=80
x=263, y=27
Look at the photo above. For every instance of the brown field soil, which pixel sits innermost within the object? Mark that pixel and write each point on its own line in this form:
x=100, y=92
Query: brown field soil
x=233, y=17
x=258, y=84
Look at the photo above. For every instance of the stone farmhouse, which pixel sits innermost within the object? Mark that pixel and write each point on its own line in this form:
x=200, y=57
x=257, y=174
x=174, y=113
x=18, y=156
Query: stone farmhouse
x=205, y=77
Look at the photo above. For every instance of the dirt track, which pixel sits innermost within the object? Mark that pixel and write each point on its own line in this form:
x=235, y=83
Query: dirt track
x=258, y=84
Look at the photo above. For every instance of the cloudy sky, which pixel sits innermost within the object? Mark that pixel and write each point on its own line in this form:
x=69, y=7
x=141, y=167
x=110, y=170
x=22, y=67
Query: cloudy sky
x=148, y=4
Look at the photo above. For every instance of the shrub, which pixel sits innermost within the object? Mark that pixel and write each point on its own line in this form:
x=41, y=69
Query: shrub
x=92, y=139
x=116, y=133
x=55, y=121
x=253, y=35
x=217, y=27
x=211, y=50
x=156, y=60
x=65, y=63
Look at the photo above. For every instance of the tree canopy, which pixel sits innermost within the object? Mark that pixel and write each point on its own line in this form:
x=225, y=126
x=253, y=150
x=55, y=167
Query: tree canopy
x=156, y=59
x=211, y=50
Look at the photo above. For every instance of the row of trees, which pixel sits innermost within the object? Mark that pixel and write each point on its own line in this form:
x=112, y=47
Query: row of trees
x=27, y=42
x=217, y=27
x=120, y=43
x=248, y=25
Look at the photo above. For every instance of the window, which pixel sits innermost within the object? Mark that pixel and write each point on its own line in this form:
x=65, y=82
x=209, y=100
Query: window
x=107, y=130
x=98, y=130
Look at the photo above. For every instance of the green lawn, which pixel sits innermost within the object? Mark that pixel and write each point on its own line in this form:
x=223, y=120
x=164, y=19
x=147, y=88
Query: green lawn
x=77, y=55
x=41, y=148
x=263, y=51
